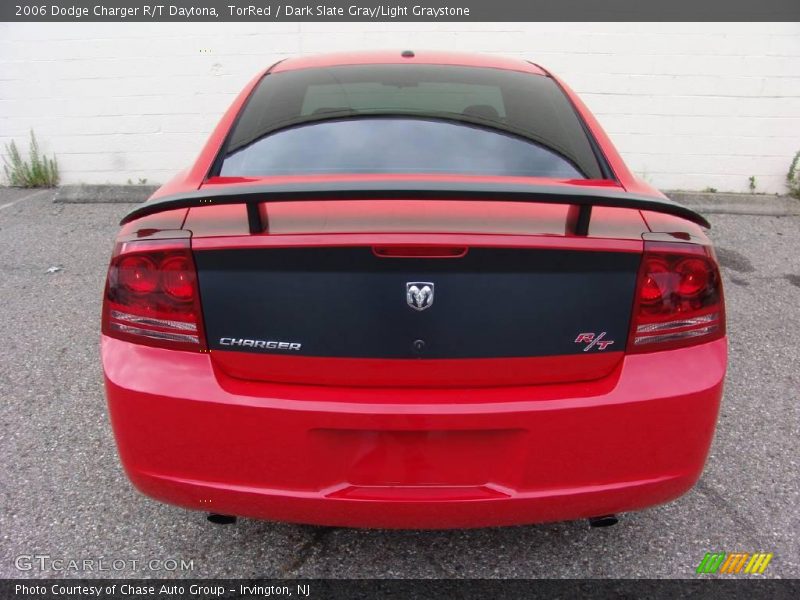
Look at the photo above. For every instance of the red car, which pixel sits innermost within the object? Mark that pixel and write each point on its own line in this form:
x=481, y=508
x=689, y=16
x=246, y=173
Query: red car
x=412, y=290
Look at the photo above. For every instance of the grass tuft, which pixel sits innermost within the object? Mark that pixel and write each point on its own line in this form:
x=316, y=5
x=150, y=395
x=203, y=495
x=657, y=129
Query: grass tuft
x=38, y=171
x=793, y=176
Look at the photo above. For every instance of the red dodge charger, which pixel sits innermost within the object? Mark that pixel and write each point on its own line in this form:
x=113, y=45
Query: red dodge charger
x=412, y=290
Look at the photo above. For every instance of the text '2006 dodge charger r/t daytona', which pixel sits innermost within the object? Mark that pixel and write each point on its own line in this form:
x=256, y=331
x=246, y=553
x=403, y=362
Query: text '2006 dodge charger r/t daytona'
x=414, y=290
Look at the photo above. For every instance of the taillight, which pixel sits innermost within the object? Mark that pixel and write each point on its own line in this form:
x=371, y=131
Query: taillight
x=151, y=295
x=679, y=298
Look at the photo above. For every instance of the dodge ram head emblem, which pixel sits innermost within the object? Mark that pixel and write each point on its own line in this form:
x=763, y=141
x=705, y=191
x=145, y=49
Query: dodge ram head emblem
x=419, y=294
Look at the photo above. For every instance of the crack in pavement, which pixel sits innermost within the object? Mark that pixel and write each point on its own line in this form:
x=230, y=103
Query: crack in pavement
x=318, y=537
x=718, y=499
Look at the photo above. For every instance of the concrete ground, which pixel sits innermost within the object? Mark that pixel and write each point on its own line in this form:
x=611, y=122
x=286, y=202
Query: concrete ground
x=63, y=493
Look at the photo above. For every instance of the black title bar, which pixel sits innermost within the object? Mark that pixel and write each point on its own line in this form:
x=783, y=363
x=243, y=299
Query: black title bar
x=415, y=10
x=406, y=589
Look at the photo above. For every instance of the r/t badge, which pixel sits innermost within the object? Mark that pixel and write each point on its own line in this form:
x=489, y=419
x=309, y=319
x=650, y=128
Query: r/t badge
x=593, y=340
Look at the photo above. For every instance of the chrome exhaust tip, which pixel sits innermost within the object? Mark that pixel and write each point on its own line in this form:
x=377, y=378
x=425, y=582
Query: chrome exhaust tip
x=604, y=521
x=221, y=519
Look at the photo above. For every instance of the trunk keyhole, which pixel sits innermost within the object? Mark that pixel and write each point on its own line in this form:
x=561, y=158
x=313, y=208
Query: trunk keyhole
x=419, y=346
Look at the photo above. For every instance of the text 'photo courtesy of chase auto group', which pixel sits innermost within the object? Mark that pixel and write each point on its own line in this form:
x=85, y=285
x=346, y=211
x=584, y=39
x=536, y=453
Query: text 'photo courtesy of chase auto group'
x=399, y=299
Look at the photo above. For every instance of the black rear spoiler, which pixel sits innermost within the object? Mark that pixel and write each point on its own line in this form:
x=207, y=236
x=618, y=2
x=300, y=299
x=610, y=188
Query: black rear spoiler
x=257, y=196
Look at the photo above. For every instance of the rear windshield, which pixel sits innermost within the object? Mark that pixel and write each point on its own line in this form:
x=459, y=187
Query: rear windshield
x=409, y=119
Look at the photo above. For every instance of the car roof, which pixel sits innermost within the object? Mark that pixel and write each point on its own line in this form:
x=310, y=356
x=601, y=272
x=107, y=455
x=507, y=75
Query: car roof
x=420, y=57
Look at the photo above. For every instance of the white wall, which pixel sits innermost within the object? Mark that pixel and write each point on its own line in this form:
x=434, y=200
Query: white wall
x=689, y=105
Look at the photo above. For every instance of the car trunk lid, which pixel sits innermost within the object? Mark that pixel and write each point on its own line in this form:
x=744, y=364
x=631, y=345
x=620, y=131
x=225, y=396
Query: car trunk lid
x=443, y=311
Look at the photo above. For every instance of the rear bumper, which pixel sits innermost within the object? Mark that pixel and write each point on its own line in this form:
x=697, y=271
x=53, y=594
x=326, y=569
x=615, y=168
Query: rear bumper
x=408, y=458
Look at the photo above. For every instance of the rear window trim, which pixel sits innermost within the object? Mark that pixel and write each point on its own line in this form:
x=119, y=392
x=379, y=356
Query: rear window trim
x=602, y=160
x=216, y=165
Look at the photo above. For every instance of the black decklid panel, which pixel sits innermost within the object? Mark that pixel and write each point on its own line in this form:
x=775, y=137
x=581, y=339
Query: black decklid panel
x=347, y=302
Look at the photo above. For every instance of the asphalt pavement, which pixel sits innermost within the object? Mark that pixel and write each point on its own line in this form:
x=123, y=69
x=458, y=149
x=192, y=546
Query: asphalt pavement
x=63, y=493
